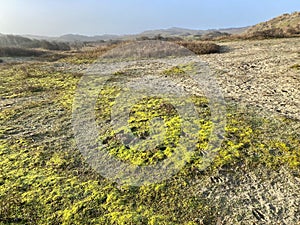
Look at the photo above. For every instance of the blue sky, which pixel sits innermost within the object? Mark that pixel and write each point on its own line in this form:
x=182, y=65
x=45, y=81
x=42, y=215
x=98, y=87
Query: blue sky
x=92, y=17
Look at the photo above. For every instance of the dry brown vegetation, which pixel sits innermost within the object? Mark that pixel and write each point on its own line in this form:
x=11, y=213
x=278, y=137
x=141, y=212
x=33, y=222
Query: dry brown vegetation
x=200, y=47
x=286, y=25
x=19, y=52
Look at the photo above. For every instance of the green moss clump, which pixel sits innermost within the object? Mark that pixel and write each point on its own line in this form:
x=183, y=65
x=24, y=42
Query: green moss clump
x=174, y=71
x=296, y=67
x=179, y=70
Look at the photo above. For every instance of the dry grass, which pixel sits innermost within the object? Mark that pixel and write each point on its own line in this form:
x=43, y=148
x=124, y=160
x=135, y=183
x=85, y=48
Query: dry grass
x=90, y=55
x=100, y=50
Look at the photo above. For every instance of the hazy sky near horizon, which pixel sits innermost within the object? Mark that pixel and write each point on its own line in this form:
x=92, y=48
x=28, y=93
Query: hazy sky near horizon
x=92, y=17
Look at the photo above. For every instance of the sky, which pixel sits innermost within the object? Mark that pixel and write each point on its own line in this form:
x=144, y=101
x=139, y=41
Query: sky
x=96, y=17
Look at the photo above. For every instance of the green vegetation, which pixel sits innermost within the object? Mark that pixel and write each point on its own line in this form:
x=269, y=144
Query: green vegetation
x=44, y=178
x=179, y=70
x=295, y=66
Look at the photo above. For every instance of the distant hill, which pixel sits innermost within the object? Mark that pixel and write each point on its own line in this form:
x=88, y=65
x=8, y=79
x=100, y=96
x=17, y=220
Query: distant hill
x=37, y=37
x=171, y=32
x=34, y=40
x=238, y=30
x=82, y=38
x=174, y=31
x=281, y=26
x=181, y=32
x=15, y=41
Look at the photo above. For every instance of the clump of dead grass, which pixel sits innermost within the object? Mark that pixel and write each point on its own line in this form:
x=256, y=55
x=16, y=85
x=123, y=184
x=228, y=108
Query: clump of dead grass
x=200, y=47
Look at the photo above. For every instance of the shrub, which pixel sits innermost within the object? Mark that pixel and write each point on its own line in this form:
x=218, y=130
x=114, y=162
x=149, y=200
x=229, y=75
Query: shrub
x=19, y=52
x=270, y=33
x=55, y=46
x=199, y=47
x=158, y=38
x=293, y=31
x=214, y=35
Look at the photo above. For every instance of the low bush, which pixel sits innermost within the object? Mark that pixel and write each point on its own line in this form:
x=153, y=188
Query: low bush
x=19, y=52
x=270, y=33
x=158, y=38
x=199, y=47
x=55, y=46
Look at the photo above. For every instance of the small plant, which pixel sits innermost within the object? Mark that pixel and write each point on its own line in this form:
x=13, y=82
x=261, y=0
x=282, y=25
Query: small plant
x=176, y=70
x=296, y=67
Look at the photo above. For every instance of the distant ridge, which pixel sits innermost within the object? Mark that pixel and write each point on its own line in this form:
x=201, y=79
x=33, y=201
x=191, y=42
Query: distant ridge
x=281, y=26
x=82, y=38
x=170, y=32
x=176, y=31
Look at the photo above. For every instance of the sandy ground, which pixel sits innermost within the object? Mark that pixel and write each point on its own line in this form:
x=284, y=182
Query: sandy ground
x=256, y=73
x=259, y=73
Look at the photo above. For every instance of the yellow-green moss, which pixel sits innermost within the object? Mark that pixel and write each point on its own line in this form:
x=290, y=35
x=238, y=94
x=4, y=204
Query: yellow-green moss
x=179, y=70
x=296, y=67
